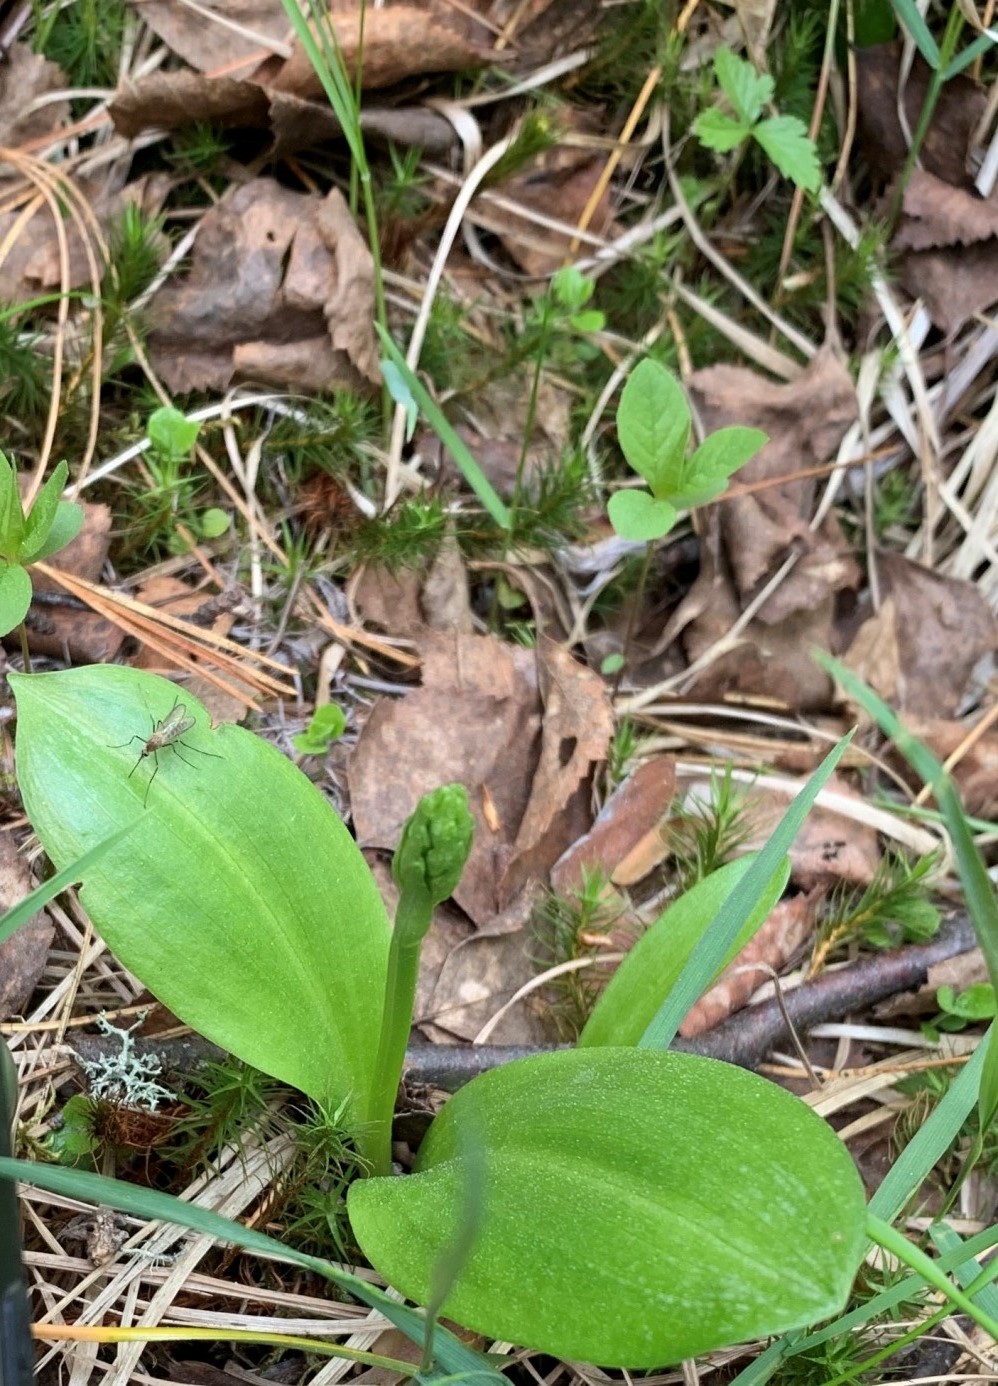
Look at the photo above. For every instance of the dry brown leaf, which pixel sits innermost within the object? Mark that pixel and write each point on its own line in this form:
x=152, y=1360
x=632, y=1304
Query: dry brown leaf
x=388, y=600
x=937, y=214
x=476, y=979
x=634, y=810
x=954, y=284
x=25, y=77
x=171, y=100
x=24, y=954
x=281, y=286
x=946, y=147
x=576, y=731
x=399, y=41
x=559, y=183
x=475, y=721
x=219, y=33
x=805, y=422
x=446, y=597
x=920, y=649
x=90, y=638
x=976, y=772
x=788, y=927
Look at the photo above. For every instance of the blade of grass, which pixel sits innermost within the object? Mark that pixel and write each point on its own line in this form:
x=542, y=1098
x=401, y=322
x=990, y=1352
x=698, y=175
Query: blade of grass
x=978, y=891
x=451, y=1353
x=435, y=417
x=910, y=19
x=708, y=956
x=48, y=890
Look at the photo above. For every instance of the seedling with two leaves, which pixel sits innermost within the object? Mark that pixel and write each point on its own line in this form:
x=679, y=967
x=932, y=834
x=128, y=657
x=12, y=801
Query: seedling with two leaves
x=784, y=139
x=47, y=527
x=653, y=427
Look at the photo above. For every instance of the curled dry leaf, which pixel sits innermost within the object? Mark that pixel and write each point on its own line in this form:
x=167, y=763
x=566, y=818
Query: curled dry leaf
x=949, y=243
x=281, y=289
x=633, y=811
x=785, y=931
x=919, y=650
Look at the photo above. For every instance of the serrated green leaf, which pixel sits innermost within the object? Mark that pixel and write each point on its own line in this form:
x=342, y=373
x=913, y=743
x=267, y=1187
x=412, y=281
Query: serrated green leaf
x=720, y=132
x=15, y=596
x=785, y=140
x=747, y=90
x=637, y=516
x=653, y=425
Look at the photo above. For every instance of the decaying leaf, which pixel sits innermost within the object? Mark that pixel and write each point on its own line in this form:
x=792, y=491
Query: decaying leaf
x=522, y=730
x=948, y=239
x=54, y=629
x=24, y=954
x=219, y=33
x=25, y=77
x=976, y=772
x=785, y=931
x=634, y=810
x=281, y=290
x=882, y=138
x=919, y=650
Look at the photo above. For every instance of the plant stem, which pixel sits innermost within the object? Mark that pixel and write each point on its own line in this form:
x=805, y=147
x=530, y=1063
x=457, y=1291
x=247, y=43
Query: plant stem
x=411, y=922
x=22, y=632
x=951, y=35
x=888, y=1237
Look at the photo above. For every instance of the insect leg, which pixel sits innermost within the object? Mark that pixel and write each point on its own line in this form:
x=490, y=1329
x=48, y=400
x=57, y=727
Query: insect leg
x=155, y=756
x=197, y=749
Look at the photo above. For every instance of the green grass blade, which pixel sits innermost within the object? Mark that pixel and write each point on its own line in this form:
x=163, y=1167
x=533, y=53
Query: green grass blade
x=977, y=48
x=708, y=957
x=437, y=420
x=947, y=1239
x=48, y=890
x=979, y=893
x=451, y=1354
x=911, y=20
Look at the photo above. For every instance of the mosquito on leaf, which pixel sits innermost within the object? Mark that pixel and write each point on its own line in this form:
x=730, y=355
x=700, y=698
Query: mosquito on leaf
x=167, y=732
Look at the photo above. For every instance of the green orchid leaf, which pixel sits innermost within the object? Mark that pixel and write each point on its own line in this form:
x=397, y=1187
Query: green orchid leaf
x=644, y=979
x=720, y=132
x=638, y=1208
x=640, y=517
x=747, y=90
x=15, y=596
x=653, y=425
x=239, y=899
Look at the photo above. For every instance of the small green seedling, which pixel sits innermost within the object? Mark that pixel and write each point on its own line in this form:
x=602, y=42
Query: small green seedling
x=172, y=434
x=48, y=526
x=167, y=732
x=327, y=725
x=653, y=426
x=783, y=138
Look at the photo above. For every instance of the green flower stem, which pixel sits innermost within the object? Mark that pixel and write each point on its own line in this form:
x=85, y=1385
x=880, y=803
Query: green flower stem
x=411, y=922
x=427, y=867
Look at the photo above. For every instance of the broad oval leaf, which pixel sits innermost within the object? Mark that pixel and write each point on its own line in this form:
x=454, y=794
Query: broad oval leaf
x=653, y=425
x=722, y=452
x=646, y=976
x=640, y=517
x=15, y=596
x=639, y=1208
x=239, y=898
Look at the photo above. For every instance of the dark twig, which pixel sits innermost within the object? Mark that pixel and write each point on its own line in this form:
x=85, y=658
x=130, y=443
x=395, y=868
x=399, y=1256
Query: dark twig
x=745, y=1038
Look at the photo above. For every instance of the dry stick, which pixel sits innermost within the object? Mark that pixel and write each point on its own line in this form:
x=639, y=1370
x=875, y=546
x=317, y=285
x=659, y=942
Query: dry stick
x=743, y=1039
